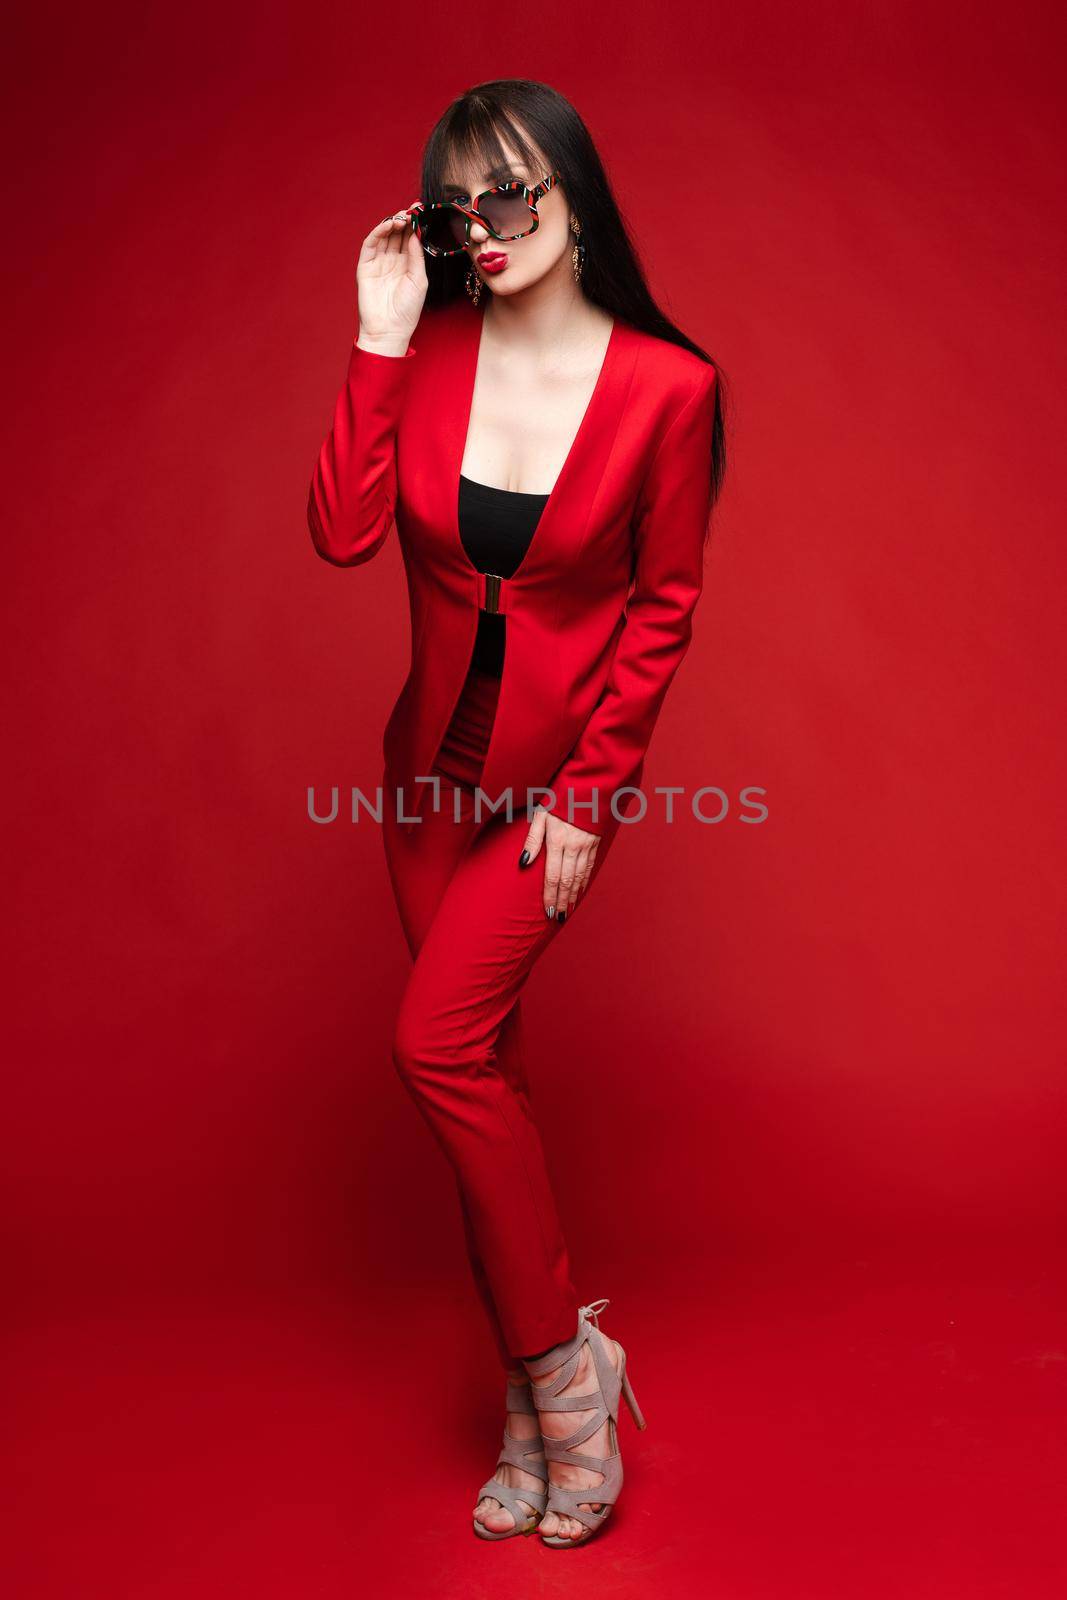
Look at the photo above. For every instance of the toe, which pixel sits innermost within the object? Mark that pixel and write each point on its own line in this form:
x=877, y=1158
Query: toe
x=498, y=1518
x=550, y=1524
x=485, y=1509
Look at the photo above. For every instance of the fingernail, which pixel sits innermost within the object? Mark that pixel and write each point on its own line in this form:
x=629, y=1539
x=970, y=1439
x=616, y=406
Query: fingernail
x=524, y=859
x=551, y=912
x=562, y=917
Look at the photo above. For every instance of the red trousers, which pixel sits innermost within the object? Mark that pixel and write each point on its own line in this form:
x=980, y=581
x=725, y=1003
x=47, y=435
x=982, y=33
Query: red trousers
x=475, y=923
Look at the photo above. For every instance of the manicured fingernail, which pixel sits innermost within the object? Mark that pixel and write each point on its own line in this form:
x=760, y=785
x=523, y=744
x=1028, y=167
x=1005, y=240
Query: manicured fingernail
x=524, y=859
x=562, y=917
x=551, y=912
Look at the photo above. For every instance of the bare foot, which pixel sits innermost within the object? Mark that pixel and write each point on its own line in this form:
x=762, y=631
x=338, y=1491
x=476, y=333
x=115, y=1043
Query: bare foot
x=560, y=1424
x=521, y=1425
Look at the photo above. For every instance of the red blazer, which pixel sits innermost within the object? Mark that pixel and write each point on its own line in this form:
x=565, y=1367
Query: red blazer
x=599, y=613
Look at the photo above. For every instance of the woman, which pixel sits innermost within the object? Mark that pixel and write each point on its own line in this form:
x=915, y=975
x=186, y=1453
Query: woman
x=550, y=447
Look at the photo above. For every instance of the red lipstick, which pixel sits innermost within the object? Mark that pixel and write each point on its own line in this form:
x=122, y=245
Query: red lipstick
x=492, y=261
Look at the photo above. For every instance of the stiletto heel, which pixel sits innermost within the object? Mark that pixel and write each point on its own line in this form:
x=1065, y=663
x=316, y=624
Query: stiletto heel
x=628, y=1394
x=603, y=1402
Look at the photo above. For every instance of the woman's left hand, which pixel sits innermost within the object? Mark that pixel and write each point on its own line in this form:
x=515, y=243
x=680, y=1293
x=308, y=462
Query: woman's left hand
x=569, y=856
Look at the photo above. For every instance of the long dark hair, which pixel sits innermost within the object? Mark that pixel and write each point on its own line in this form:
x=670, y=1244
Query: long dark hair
x=521, y=108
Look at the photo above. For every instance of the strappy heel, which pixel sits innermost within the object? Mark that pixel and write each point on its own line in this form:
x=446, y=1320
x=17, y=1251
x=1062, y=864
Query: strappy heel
x=604, y=1404
x=528, y=1455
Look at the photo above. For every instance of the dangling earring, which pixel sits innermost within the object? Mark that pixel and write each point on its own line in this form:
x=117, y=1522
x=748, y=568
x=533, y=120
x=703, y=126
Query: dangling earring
x=578, y=252
x=474, y=285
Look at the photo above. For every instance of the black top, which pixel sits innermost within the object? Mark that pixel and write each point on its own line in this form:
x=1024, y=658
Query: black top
x=496, y=526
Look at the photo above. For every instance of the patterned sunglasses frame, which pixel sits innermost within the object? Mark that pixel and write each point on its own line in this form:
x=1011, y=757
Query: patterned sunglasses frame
x=422, y=214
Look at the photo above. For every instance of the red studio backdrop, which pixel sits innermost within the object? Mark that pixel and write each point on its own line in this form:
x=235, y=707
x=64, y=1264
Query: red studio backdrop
x=801, y=1082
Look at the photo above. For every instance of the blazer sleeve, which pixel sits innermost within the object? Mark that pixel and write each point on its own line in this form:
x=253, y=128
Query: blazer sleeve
x=353, y=488
x=670, y=522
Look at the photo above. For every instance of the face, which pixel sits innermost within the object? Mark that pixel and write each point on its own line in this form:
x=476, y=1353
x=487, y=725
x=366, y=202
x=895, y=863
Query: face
x=511, y=265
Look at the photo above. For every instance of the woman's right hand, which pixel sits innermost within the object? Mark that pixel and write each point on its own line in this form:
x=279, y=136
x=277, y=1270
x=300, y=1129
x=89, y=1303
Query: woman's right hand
x=391, y=284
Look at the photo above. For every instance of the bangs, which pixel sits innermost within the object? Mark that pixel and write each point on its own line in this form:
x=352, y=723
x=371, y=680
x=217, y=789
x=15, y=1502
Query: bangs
x=475, y=135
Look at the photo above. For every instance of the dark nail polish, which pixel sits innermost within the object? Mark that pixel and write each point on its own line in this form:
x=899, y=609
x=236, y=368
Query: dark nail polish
x=562, y=917
x=524, y=859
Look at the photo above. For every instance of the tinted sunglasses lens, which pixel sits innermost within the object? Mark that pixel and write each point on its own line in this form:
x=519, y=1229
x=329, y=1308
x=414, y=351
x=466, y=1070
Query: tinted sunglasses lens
x=442, y=229
x=507, y=214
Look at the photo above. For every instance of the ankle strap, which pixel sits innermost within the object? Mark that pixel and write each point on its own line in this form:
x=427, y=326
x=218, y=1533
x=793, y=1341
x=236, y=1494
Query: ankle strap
x=568, y=1353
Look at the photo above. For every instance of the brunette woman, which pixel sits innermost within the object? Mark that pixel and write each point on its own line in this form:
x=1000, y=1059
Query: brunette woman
x=549, y=447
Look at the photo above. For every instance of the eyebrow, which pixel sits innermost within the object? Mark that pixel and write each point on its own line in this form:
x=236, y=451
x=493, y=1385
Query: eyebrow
x=501, y=174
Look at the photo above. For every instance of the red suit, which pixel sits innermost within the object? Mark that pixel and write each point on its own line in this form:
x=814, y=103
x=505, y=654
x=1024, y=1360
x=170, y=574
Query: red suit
x=599, y=616
x=587, y=662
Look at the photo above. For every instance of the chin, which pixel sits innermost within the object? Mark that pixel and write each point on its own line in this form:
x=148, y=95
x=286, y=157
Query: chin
x=509, y=283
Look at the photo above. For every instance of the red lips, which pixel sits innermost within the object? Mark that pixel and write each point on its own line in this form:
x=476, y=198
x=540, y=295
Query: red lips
x=491, y=258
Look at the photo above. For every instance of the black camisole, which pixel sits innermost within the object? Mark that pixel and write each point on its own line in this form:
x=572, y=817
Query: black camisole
x=496, y=526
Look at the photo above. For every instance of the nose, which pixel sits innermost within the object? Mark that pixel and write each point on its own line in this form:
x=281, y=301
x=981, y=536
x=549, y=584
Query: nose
x=478, y=234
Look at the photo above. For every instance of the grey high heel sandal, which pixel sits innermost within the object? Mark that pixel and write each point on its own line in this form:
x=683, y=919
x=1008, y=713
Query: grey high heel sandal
x=529, y=1456
x=604, y=1405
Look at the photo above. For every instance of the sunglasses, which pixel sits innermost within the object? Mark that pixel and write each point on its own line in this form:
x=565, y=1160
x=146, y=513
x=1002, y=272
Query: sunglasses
x=507, y=212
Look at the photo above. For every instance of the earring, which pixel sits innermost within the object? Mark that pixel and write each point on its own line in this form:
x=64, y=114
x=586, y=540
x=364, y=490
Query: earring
x=578, y=251
x=474, y=286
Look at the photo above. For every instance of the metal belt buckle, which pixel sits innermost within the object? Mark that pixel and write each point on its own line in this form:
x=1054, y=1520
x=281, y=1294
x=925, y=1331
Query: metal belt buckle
x=493, y=580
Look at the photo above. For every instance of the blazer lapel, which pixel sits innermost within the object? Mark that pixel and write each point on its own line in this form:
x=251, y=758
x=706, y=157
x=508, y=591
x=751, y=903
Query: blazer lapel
x=561, y=526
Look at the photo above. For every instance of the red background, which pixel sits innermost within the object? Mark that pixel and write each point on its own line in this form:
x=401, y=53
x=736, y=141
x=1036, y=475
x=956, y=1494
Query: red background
x=802, y=1083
